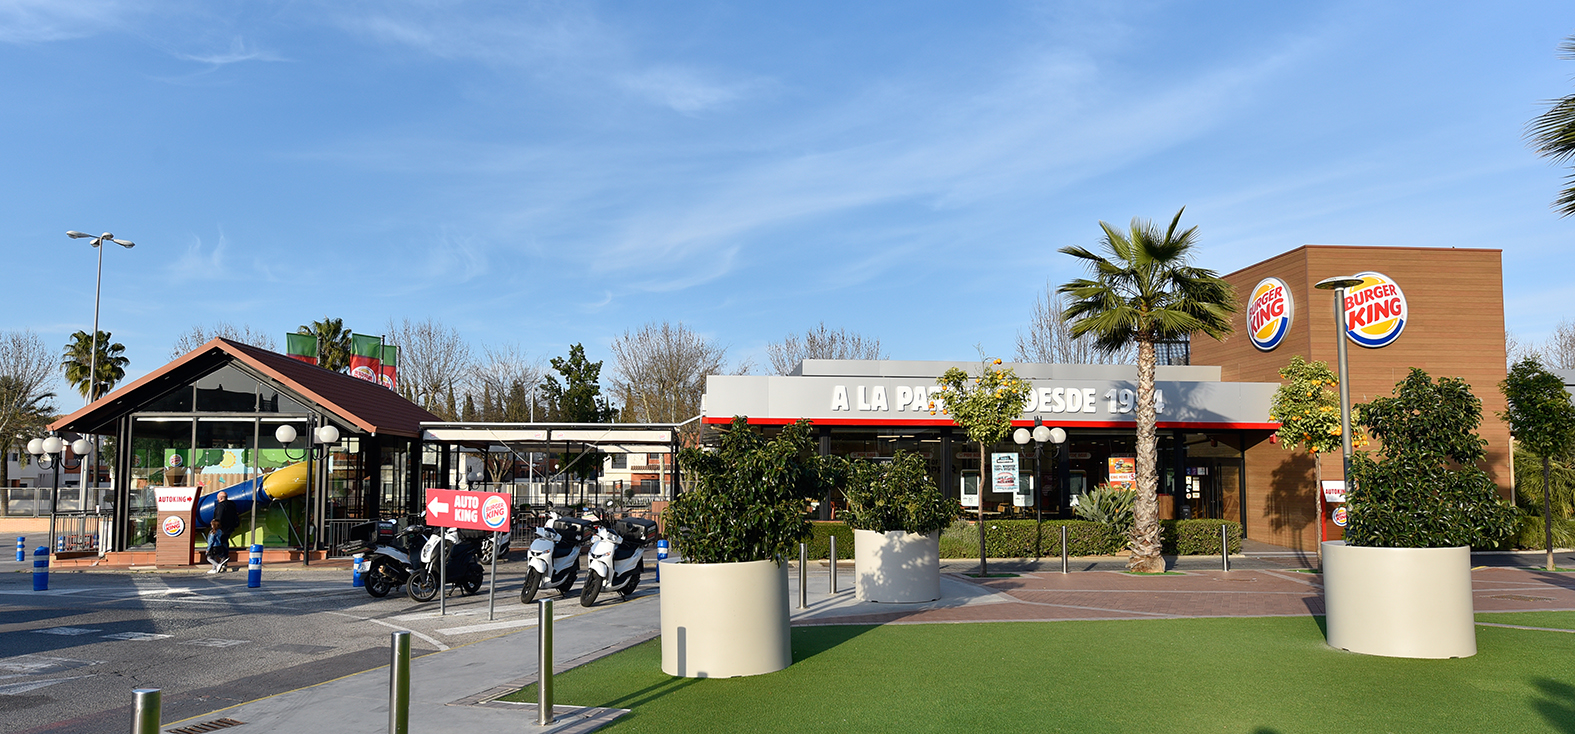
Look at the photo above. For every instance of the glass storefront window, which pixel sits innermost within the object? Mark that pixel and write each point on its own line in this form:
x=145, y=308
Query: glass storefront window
x=227, y=390
x=160, y=457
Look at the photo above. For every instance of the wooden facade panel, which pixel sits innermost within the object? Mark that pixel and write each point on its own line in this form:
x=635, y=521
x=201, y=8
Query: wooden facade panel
x=1455, y=328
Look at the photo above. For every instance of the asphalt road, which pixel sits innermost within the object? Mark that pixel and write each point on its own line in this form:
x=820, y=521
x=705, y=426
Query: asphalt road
x=70, y=656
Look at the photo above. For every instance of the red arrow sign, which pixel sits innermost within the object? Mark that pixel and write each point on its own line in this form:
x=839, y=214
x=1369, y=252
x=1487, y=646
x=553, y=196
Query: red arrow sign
x=452, y=508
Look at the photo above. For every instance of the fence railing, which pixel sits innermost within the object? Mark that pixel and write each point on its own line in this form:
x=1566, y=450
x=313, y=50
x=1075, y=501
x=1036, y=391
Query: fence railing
x=82, y=533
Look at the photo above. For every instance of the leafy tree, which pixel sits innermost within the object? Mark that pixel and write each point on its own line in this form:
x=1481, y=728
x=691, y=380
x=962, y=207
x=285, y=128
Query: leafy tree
x=1307, y=407
x=745, y=501
x=1426, y=489
x=1144, y=290
x=983, y=406
x=820, y=343
x=577, y=399
x=897, y=495
x=1542, y=419
x=333, y=343
x=77, y=360
x=1552, y=134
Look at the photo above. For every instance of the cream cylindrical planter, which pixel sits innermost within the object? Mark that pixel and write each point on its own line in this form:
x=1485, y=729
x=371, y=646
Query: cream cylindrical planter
x=723, y=620
x=1399, y=602
x=896, y=567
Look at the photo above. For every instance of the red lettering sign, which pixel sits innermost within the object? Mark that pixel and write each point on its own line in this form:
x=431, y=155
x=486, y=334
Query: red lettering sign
x=452, y=508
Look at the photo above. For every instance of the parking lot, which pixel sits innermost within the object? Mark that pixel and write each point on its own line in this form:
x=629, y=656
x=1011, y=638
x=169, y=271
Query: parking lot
x=70, y=656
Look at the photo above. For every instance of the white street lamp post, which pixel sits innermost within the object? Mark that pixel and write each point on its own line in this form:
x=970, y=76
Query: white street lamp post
x=98, y=282
x=1338, y=284
x=1040, y=435
x=52, y=449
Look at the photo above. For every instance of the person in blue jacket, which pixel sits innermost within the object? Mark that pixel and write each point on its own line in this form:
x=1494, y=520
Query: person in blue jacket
x=225, y=519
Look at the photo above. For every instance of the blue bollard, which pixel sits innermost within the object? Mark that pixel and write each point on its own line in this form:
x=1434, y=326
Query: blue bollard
x=355, y=574
x=661, y=555
x=21, y=548
x=41, y=569
x=254, y=567
x=60, y=544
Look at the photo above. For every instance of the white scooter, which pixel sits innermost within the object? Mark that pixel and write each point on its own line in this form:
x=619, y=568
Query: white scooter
x=616, y=561
x=554, y=556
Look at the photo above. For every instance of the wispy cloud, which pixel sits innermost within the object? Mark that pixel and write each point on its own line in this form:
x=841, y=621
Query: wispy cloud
x=686, y=90
x=237, y=52
x=43, y=21
x=200, y=262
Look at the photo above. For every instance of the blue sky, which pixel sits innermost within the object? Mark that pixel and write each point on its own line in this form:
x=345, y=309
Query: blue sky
x=541, y=174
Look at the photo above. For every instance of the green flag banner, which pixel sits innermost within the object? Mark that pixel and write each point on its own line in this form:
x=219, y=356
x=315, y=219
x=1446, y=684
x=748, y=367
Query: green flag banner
x=302, y=347
x=390, y=369
x=366, y=357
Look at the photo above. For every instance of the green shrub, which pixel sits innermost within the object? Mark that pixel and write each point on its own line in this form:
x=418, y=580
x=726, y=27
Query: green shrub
x=899, y=495
x=1197, y=537
x=1026, y=539
x=820, y=540
x=1529, y=535
x=745, y=501
x=1111, y=506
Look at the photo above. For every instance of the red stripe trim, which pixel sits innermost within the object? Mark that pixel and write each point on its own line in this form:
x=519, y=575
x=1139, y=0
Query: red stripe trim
x=717, y=420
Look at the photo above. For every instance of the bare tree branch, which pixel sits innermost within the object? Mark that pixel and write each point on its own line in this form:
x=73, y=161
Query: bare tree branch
x=821, y=343
x=433, y=360
x=244, y=334
x=660, y=372
x=503, y=384
x=1048, y=338
x=1559, y=351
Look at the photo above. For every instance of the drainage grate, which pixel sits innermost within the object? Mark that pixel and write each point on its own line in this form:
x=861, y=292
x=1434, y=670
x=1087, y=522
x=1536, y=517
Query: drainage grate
x=206, y=726
x=1519, y=597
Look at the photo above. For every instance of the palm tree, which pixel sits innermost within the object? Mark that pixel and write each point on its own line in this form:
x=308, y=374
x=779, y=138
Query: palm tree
x=1552, y=133
x=333, y=343
x=1143, y=291
x=111, y=364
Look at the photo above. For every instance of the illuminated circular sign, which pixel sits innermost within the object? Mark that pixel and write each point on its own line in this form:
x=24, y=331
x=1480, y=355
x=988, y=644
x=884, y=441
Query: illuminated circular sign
x=1375, y=311
x=1340, y=517
x=1269, y=313
x=174, y=526
x=494, y=512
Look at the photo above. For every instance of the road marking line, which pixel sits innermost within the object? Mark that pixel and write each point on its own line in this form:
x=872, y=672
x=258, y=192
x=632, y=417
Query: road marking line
x=42, y=664
x=490, y=626
x=67, y=631
x=215, y=642
x=135, y=636
x=19, y=688
x=435, y=643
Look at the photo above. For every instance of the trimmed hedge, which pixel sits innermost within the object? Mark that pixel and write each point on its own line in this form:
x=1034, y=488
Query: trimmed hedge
x=1022, y=538
x=1530, y=533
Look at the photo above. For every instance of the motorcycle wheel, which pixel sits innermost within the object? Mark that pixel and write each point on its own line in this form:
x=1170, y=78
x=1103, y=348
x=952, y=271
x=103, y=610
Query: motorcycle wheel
x=593, y=587
x=639, y=570
x=422, y=586
x=471, y=583
x=378, y=581
x=532, y=583
x=567, y=584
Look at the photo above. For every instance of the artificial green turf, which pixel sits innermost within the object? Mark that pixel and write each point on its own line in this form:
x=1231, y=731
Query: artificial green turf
x=1253, y=675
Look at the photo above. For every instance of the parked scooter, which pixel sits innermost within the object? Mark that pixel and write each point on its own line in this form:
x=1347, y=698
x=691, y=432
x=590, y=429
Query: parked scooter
x=463, y=569
x=616, y=559
x=554, y=556
x=388, y=563
x=502, y=545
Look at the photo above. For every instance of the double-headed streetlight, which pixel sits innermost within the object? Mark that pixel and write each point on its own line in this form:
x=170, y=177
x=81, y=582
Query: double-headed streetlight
x=325, y=436
x=51, y=451
x=1039, y=435
x=97, y=242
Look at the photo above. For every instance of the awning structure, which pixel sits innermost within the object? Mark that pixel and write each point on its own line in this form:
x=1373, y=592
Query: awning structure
x=612, y=438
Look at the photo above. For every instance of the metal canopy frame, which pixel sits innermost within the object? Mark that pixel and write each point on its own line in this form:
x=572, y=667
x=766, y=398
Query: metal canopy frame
x=520, y=438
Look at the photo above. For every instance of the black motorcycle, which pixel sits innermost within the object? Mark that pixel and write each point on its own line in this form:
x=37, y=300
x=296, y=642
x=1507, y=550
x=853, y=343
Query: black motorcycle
x=387, y=556
x=463, y=568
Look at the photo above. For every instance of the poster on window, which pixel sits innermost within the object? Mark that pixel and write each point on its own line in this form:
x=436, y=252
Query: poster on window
x=1123, y=472
x=1004, y=472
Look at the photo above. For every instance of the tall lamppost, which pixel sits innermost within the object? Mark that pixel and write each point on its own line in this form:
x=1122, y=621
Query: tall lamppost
x=1338, y=284
x=51, y=449
x=1039, y=436
x=325, y=436
x=98, y=282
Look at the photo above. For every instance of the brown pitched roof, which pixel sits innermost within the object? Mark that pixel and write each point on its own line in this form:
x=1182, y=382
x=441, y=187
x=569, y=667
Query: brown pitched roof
x=367, y=406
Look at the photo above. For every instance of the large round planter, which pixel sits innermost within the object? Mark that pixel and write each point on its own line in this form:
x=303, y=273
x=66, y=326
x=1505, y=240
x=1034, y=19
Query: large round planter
x=1399, y=602
x=896, y=567
x=723, y=620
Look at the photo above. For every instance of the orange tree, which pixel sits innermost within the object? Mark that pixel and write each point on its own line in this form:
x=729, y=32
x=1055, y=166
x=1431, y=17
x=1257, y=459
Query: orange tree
x=1307, y=407
x=983, y=406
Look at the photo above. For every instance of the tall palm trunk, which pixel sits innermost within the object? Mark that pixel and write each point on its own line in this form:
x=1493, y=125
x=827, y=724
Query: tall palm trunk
x=1547, y=509
x=1145, y=543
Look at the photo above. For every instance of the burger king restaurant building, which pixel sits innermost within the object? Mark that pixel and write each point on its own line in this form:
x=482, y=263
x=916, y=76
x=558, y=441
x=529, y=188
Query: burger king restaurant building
x=1437, y=309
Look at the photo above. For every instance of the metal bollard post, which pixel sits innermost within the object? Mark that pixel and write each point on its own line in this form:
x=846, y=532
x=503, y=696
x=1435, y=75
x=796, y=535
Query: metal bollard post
x=399, y=685
x=21, y=549
x=833, y=565
x=145, y=711
x=661, y=555
x=1063, y=549
x=356, y=582
x=1224, y=549
x=803, y=575
x=544, y=662
x=41, y=569
x=60, y=544
x=254, y=567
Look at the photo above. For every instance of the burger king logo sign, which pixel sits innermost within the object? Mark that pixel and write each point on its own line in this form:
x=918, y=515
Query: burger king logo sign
x=495, y=512
x=1269, y=314
x=174, y=526
x=1375, y=311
